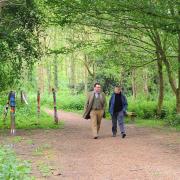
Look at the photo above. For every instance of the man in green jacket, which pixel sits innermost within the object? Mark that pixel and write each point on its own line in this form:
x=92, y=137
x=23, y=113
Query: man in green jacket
x=95, y=109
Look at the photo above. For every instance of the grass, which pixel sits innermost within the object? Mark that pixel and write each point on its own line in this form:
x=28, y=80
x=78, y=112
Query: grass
x=11, y=167
x=45, y=169
x=17, y=139
x=154, y=123
x=41, y=149
x=26, y=118
x=30, y=141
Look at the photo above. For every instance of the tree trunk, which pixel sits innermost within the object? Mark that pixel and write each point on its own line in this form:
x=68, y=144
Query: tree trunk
x=178, y=101
x=166, y=62
x=134, y=88
x=41, y=77
x=91, y=73
x=48, y=68
x=72, y=72
x=169, y=71
x=178, y=89
x=85, y=80
x=161, y=85
x=55, y=64
x=145, y=79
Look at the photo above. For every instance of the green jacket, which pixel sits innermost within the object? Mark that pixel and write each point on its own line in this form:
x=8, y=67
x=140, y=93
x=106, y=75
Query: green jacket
x=89, y=103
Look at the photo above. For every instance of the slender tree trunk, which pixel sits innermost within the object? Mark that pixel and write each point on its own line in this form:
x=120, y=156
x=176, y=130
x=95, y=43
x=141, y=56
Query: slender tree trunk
x=166, y=62
x=161, y=85
x=72, y=72
x=30, y=75
x=55, y=64
x=134, y=88
x=41, y=77
x=92, y=72
x=66, y=67
x=21, y=94
x=145, y=79
x=85, y=79
x=172, y=81
x=178, y=89
x=121, y=76
x=55, y=108
x=48, y=68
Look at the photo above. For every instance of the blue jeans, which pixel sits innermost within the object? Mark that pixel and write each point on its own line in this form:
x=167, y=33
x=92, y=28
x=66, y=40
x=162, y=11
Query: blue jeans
x=118, y=116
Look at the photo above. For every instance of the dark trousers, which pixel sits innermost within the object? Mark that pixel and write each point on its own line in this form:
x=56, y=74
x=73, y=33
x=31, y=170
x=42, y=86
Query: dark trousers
x=118, y=117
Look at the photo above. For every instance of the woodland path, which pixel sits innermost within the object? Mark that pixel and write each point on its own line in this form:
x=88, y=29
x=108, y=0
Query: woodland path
x=72, y=154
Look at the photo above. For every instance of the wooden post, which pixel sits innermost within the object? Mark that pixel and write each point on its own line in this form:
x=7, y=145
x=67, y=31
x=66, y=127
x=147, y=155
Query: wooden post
x=21, y=94
x=12, y=103
x=5, y=113
x=38, y=102
x=13, y=125
x=55, y=108
x=23, y=98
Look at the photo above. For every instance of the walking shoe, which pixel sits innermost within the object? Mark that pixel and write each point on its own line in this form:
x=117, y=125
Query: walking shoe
x=123, y=135
x=95, y=137
x=114, y=135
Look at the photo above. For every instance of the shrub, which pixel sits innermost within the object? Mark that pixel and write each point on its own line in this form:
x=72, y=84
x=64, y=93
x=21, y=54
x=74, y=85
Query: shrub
x=173, y=119
x=144, y=109
x=12, y=168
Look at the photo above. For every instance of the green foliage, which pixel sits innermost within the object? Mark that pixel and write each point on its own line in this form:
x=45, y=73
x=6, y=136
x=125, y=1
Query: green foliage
x=107, y=75
x=147, y=109
x=44, y=169
x=66, y=101
x=12, y=168
x=19, y=45
x=152, y=123
x=27, y=118
x=173, y=119
x=143, y=109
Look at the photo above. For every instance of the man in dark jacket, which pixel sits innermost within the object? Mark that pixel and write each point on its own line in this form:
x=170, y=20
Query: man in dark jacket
x=117, y=108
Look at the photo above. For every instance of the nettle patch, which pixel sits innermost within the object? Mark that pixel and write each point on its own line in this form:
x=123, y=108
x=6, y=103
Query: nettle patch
x=11, y=167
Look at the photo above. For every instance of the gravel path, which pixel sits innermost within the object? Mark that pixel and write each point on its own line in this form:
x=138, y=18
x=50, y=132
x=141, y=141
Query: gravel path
x=72, y=154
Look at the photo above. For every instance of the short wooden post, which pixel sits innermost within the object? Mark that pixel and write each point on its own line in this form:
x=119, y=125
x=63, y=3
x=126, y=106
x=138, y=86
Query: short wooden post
x=13, y=125
x=21, y=93
x=23, y=98
x=55, y=108
x=38, y=102
x=12, y=103
x=5, y=113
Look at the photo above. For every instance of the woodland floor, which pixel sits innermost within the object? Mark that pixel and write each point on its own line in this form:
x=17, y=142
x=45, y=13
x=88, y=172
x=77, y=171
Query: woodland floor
x=71, y=153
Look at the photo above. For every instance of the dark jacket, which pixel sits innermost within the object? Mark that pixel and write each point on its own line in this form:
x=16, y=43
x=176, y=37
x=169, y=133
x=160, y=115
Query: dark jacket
x=112, y=102
x=89, y=103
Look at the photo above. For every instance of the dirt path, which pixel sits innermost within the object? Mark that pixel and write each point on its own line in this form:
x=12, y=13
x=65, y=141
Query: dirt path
x=72, y=154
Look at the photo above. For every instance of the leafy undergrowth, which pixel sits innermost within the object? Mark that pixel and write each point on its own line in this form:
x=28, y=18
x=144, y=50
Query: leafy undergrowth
x=12, y=168
x=155, y=123
x=26, y=117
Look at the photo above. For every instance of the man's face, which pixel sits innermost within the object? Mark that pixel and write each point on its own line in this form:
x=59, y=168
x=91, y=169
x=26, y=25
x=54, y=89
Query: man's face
x=117, y=90
x=97, y=88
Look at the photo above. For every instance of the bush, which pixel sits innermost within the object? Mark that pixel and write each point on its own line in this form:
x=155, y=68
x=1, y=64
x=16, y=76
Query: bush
x=144, y=109
x=70, y=102
x=148, y=109
x=12, y=168
x=65, y=100
x=173, y=119
x=26, y=117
